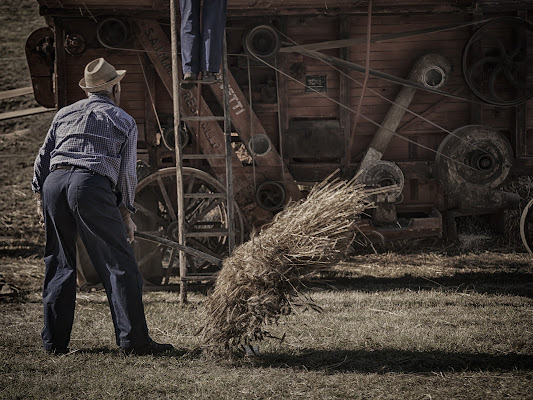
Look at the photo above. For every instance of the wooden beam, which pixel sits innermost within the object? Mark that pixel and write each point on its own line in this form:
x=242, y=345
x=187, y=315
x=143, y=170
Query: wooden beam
x=60, y=63
x=248, y=125
x=345, y=84
x=476, y=116
x=520, y=138
x=24, y=113
x=8, y=94
x=282, y=94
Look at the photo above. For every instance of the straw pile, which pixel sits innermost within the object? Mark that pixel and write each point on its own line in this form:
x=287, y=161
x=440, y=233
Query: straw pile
x=259, y=283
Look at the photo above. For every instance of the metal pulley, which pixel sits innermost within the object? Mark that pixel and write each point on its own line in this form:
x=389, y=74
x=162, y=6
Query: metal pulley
x=383, y=174
x=471, y=163
x=495, y=61
x=75, y=43
x=259, y=145
x=169, y=138
x=270, y=196
x=112, y=32
x=262, y=42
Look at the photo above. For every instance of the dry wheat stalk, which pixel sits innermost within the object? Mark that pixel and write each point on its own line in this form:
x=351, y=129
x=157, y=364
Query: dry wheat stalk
x=259, y=282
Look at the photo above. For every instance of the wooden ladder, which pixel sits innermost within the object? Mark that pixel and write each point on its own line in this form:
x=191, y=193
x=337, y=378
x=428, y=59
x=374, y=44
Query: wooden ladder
x=227, y=197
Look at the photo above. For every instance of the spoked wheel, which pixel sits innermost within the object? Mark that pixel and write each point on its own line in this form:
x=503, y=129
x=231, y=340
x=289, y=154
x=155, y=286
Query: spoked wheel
x=206, y=222
x=495, y=61
x=526, y=227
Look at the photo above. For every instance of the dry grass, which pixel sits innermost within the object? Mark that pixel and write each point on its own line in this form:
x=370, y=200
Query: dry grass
x=260, y=282
x=395, y=327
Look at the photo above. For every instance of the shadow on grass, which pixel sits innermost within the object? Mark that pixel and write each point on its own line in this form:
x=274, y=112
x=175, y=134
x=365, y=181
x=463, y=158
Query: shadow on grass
x=510, y=283
x=392, y=360
x=116, y=351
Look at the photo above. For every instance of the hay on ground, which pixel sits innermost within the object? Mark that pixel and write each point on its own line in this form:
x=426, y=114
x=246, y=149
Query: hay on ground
x=259, y=283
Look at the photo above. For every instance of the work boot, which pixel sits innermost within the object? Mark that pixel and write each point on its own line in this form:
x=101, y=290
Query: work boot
x=57, y=352
x=209, y=77
x=188, y=76
x=151, y=348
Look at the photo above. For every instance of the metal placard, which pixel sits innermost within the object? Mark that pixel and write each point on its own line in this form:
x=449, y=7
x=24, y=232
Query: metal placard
x=316, y=83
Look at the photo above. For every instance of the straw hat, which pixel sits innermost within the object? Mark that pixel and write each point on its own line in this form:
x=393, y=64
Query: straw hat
x=100, y=75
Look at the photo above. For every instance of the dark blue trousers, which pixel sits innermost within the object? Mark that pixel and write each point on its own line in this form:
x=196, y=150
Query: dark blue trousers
x=78, y=201
x=201, y=46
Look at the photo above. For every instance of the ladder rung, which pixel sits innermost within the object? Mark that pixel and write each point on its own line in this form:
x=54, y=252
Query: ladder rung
x=201, y=81
x=204, y=195
x=201, y=156
x=207, y=233
x=199, y=277
x=203, y=118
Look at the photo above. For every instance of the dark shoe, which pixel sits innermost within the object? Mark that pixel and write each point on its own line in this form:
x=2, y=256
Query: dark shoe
x=209, y=77
x=54, y=352
x=150, y=348
x=189, y=76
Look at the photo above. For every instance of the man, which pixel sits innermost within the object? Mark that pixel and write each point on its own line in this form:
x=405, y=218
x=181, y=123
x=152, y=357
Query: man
x=201, y=51
x=85, y=175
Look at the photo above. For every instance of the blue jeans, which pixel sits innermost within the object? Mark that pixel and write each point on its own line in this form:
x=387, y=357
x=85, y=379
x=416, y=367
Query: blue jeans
x=202, y=51
x=79, y=201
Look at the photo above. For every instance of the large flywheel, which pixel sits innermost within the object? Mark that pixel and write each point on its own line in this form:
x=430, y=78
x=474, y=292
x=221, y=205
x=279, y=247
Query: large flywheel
x=206, y=222
x=496, y=60
x=526, y=227
x=472, y=162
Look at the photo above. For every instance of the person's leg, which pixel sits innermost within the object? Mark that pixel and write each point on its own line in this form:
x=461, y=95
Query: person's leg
x=213, y=26
x=102, y=231
x=190, y=36
x=59, y=287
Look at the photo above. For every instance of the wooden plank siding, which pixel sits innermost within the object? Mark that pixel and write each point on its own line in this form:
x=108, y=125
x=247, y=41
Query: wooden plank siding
x=318, y=24
x=275, y=7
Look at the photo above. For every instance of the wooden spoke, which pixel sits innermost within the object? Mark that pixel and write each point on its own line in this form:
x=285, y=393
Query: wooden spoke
x=145, y=211
x=149, y=255
x=190, y=185
x=204, y=212
x=173, y=256
x=168, y=204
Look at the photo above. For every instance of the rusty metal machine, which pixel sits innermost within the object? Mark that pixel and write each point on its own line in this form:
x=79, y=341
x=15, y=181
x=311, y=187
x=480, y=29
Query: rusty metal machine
x=431, y=97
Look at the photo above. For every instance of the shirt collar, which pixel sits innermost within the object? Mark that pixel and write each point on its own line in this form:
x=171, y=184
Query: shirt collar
x=101, y=97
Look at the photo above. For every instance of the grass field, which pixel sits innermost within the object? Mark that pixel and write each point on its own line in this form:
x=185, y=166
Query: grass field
x=436, y=322
x=411, y=326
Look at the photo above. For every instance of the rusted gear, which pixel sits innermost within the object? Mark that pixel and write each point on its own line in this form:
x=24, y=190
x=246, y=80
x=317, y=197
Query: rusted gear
x=495, y=61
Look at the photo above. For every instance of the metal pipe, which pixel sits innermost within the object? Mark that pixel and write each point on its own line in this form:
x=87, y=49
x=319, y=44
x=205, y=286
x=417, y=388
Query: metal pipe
x=423, y=66
x=431, y=71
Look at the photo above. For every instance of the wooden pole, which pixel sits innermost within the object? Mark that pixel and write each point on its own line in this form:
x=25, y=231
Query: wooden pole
x=174, y=26
x=229, y=150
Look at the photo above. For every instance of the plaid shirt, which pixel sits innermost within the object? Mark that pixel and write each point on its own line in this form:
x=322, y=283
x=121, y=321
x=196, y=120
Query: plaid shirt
x=96, y=134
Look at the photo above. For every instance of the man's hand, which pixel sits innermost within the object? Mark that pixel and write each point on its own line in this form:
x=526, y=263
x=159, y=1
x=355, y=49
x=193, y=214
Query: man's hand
x=128, y=223
x=39, y=208
x=130, y=227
